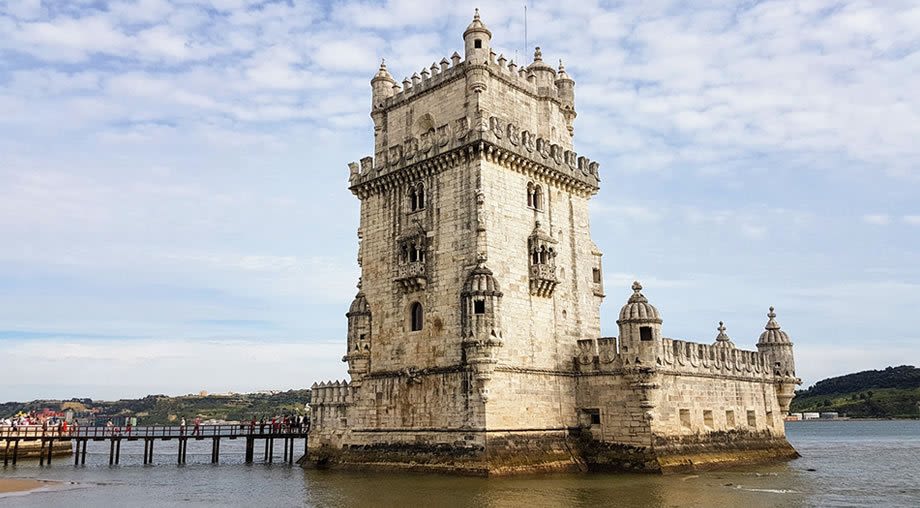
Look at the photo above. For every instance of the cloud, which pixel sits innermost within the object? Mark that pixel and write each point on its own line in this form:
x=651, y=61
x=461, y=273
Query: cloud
x=877, y=219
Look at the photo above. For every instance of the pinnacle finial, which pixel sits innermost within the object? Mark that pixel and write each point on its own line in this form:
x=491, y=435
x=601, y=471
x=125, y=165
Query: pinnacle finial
x=636, y=286
x=561, y=66
x=476, y=13
x=537, y=55
x=771, y=321
x=721, y=327
x=383, y=63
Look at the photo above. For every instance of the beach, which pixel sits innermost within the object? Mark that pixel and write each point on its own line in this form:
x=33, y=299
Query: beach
x=11, y=485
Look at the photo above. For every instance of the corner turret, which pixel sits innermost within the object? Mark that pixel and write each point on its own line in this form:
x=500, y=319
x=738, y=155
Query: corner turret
x=775, y=344
x=565, y=88
x=382, y=86
x=543, y=74
x=477, y=40
x=640, y=329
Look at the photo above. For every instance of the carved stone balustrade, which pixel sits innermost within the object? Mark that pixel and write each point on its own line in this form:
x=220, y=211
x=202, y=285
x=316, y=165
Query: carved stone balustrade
x=412, y=276
x=542, y=279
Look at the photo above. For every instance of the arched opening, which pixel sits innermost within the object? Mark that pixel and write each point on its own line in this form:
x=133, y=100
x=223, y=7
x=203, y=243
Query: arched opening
x=420, y=196
x=538, y=197
x=413, y=199
x=530, y=195
x=416, y=316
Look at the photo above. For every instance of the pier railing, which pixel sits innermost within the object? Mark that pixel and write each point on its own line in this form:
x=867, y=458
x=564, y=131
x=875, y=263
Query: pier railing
x=154, y=431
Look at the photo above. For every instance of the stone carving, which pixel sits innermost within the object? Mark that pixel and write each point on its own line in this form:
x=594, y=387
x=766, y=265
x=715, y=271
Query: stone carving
x=514, y=136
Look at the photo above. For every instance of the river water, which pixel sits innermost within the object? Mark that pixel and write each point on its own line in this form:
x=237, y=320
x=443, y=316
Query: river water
x=844, y=463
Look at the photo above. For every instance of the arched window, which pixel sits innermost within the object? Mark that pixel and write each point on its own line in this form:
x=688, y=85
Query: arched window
x=417, y=316
x=530, y=195
x=416, y=197
x=538, y=197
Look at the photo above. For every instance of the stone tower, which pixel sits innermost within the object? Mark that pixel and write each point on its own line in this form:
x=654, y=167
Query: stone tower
x=474, y=216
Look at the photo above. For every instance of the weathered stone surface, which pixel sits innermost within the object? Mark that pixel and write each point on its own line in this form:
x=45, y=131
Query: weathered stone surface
x=472, y=343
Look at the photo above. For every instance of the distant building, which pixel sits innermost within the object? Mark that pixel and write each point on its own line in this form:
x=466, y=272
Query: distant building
x=811, y=416
x=474, y=343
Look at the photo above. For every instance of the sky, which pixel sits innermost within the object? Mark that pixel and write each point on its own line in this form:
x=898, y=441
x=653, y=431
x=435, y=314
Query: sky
x=174, y=211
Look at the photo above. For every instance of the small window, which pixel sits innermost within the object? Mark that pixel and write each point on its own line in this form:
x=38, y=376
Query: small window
x=752, y=419
x=538, y=197
x=362, y=336
x=707, y=418
x=685, y=418
x=417, y=317
x=530, y=195
x=770, y=418
x=591, y=416
x=420, y=192
x=730, y=419
x=645, y=333
x=596, y=273
x=479, y=307
x=477, y=43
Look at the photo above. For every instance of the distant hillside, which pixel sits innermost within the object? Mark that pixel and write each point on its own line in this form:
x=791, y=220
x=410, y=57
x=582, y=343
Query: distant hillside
x=890, y=393
x=160, y=409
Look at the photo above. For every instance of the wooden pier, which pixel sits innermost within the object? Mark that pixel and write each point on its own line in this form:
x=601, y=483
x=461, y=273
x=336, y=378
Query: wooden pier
x=79, y=437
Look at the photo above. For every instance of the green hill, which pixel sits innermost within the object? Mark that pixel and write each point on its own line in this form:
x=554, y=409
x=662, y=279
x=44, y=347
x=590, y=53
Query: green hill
x=160, y=409
x=890, y=393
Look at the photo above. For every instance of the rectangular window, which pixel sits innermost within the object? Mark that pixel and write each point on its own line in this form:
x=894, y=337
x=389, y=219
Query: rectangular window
x=770, y=418
x=685, y=418
x=752, y=419
x=645, y=333
x=707, y=418
x=591, y=416
x=597, y=275
x=730, y=419
x=479, y=307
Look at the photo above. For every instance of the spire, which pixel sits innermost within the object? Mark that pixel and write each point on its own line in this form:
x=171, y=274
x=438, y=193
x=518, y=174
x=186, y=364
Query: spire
x=637, y=308
x=723, y=340
x=637, y=295
x=383, y=73
x=772, y=333
x=561, y=75
x=771, y=323
x=477, y=26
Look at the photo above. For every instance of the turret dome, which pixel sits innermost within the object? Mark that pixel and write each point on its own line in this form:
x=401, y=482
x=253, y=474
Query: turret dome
x=477, y=26
x=637, y=309
x=383, y=73
x=359, y=305
x=481, y=282
x=723, y=340
x=772, y=333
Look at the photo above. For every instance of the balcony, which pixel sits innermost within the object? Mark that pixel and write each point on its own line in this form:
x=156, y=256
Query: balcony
x=542, y=279
x=412, y=276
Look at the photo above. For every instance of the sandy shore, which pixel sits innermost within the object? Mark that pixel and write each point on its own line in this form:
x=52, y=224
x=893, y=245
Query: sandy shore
x=10, y=485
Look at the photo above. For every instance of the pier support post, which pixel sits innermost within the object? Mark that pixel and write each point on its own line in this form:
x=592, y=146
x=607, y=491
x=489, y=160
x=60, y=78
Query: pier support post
x=76, y=452
x=50, y=449
x=117, y=450
x=41, y=453
x=15, y=451
x=112, y=451
x=250, y=448
x=83, y=453
x=6, y=454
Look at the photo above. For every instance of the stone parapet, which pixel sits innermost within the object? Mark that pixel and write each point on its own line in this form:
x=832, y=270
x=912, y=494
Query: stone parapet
x=499, y=141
